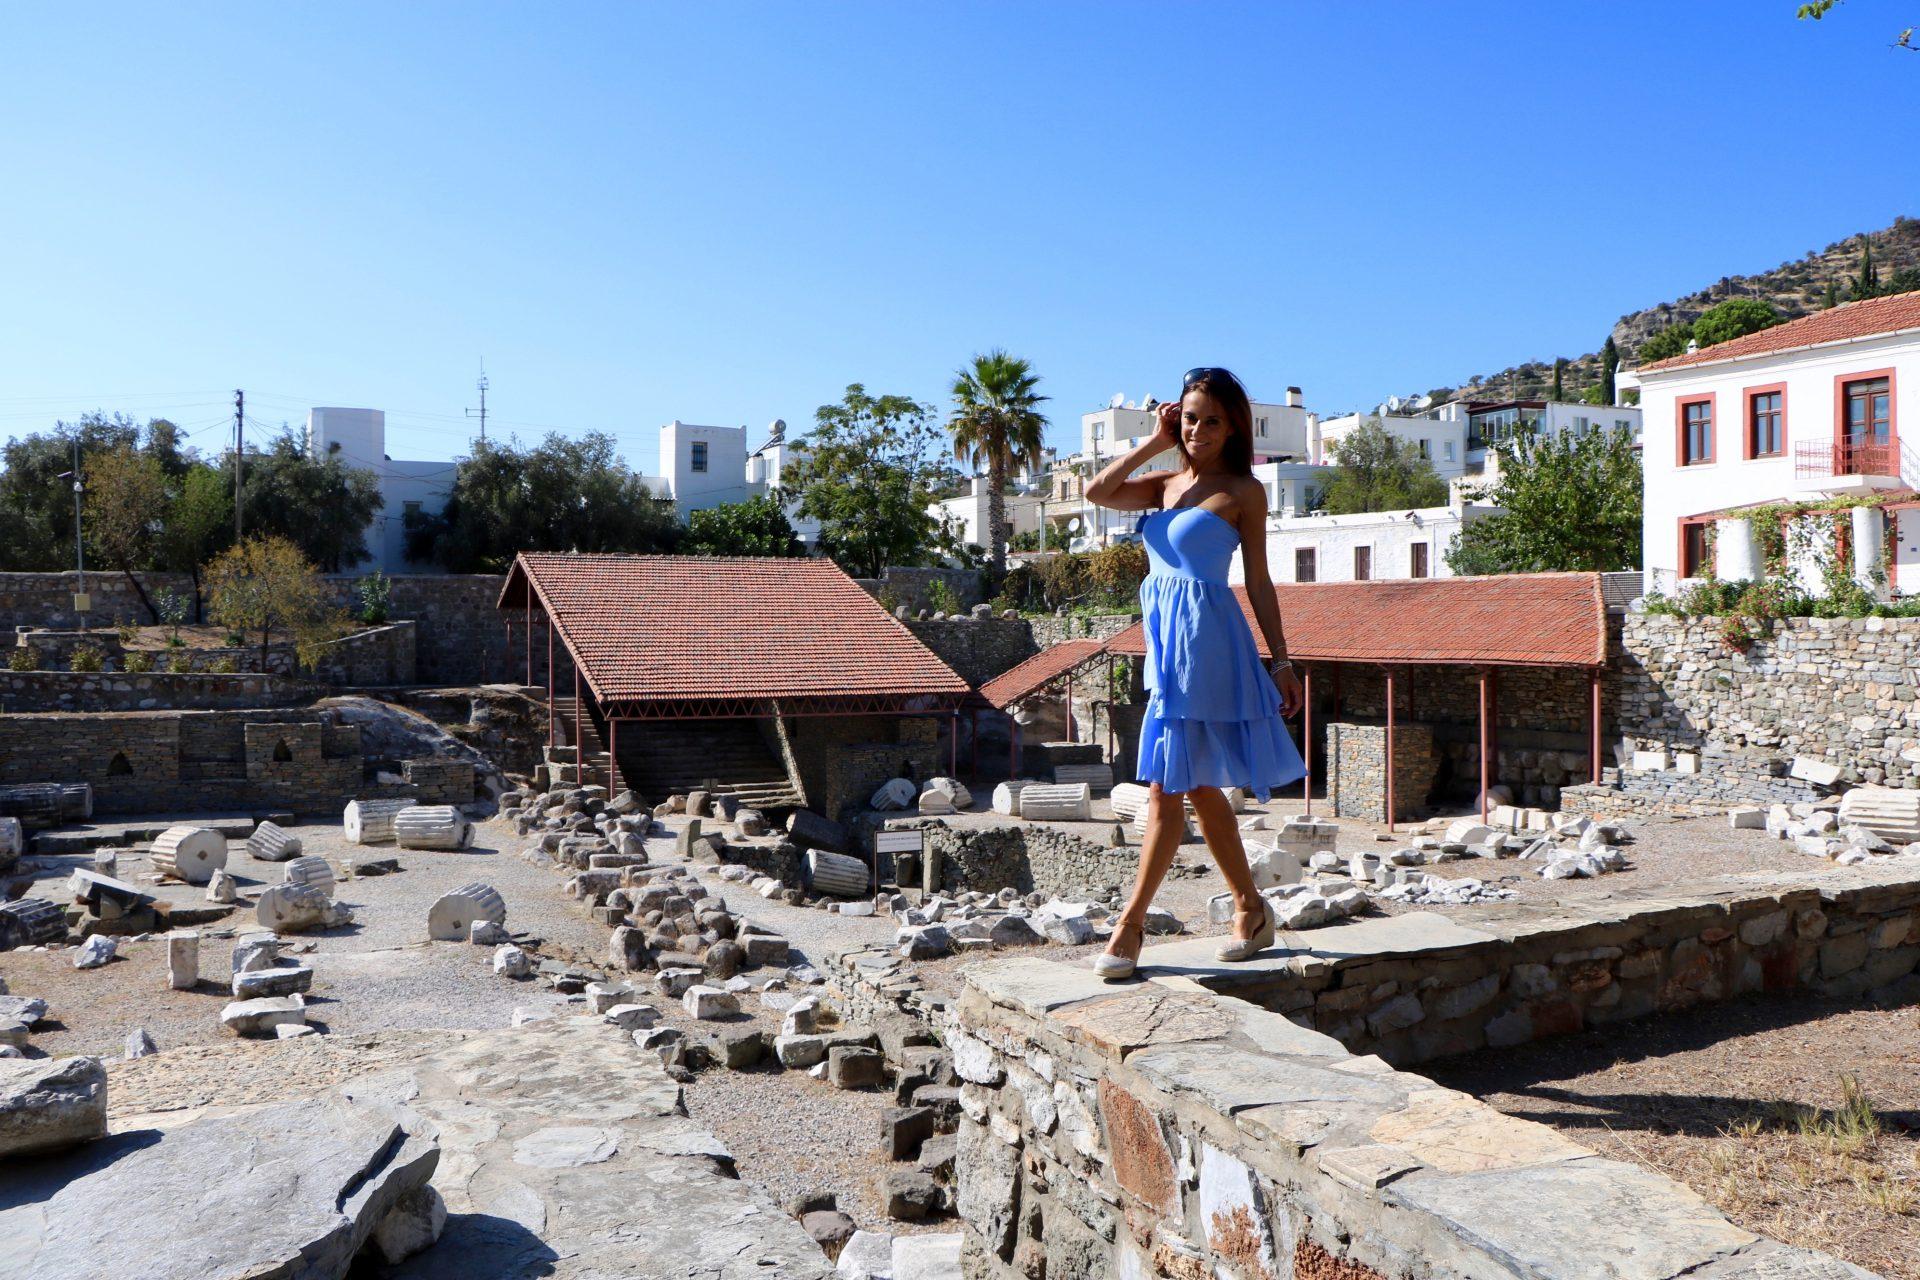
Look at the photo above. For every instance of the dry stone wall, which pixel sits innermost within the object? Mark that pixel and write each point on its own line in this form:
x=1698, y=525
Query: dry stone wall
x=1839, y=689
x=978, y=649
x=1160, y=1129
x=1028, y=857
x=120, y=691
x=1357, y=769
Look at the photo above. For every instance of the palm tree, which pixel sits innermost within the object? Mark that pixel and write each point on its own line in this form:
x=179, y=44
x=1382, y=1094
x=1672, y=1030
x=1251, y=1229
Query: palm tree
x=996, y=424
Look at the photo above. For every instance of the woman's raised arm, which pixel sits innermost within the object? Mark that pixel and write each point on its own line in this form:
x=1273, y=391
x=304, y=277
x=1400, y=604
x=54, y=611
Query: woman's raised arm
x=1117, y=487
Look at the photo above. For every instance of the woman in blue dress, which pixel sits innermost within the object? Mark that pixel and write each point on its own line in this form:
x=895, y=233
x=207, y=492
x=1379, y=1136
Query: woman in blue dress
x=1214, y=710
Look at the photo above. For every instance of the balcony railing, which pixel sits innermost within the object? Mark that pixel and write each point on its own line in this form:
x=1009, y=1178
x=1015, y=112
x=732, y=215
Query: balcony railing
x=1818, y=460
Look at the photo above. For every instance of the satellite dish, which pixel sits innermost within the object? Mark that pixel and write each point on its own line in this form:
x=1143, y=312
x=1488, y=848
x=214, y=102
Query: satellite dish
x=1119, y=398
x=1393, y=404
x=1073, y=525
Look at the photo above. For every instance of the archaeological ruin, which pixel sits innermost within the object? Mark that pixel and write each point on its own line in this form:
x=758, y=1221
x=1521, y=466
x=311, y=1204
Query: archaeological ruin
x=655, y=916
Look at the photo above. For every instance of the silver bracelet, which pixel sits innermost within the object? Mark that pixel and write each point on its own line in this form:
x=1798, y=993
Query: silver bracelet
x=1277, y=665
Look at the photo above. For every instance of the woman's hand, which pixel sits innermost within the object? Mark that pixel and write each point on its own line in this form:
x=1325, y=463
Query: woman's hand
x=1169, y=422
x=1288, y=683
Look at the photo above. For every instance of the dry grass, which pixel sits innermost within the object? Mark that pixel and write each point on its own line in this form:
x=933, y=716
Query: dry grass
x=1797, y=1118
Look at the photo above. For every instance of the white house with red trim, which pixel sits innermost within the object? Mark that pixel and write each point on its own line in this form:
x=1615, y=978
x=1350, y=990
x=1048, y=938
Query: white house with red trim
x=1803, y=412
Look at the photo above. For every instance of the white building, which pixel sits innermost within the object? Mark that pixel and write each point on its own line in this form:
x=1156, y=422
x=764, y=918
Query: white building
x=1458, y=437
x=968, y=513
x=710, y=466
x=1363, y=547
x=1280, y=431
x=359, y=438
x=1803, y=412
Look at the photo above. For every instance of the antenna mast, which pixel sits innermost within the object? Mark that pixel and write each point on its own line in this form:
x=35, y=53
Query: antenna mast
x=483, y=384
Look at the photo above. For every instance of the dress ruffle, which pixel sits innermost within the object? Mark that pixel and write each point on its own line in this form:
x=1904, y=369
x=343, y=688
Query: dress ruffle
x=1182, y=754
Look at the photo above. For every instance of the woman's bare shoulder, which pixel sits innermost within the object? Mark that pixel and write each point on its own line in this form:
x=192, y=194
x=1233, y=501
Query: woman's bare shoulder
x=1249, y=495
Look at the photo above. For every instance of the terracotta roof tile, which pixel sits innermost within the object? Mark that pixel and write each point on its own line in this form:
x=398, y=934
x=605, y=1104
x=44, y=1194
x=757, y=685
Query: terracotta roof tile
x=682, y=628
x=1836, y=324
x=1534, y=619
x=1010, y=686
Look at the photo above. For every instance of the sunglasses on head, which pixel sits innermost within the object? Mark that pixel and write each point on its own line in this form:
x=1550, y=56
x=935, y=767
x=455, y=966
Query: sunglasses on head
x=1202, y=374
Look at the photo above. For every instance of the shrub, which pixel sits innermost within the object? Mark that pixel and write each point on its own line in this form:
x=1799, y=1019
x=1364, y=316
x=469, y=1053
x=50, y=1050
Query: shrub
x=23, y=658
x=225, y=666
x=235, y=640
x=139, y=662
x=180, y=663
x=376, y=598
x=941, y=598
x=86, y=657
x=129, y=634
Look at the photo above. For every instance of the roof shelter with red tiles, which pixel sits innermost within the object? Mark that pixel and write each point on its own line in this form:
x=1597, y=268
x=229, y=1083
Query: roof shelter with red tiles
x=1039, y=677
x=1404, y=629
x=654, y=637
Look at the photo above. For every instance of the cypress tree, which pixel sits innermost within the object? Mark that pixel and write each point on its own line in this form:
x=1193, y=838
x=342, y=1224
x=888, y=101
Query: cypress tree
x=1559, y=364
x=1867, y=285
x=1609, y=361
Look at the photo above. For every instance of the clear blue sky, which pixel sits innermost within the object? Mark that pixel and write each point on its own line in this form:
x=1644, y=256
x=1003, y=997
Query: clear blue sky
x=725, y=213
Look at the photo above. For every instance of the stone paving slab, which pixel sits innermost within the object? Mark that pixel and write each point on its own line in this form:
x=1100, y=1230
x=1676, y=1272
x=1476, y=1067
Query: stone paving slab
x=1345, y=942
x=1585, y=1219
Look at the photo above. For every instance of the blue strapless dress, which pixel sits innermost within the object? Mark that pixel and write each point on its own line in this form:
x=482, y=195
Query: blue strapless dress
x=1213, y=714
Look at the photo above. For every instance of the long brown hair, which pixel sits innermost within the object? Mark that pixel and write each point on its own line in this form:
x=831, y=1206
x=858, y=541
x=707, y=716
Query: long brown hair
x=1236, y=455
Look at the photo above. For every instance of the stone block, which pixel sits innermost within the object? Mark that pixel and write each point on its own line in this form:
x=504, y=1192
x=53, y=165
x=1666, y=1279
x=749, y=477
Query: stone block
x=49, y=1104
x=853, y=1067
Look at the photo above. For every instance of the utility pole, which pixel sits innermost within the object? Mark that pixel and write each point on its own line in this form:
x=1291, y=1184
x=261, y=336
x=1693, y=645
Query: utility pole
x=482, y=415
x=80, y=601
x=239, y=453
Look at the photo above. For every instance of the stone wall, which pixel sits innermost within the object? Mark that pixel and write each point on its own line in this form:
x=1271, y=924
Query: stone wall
x=1840, y=689
x=118, y=691
x=978, y=649
x=297, y=759
x=1159, y=1129
x=372, y=658
x=460, y=637
x=842, y=760
x=1416, y=987
x=1356, y=785
x=1027, y=857
x=908, y=585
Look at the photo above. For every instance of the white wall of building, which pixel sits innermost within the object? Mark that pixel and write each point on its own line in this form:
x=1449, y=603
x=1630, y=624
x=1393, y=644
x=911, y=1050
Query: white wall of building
x=704, y=466
x=1674, y=492
x=969, y=513
x=359, y=438
x=1389, y=537
x=1443, y=441
x=1279, y=430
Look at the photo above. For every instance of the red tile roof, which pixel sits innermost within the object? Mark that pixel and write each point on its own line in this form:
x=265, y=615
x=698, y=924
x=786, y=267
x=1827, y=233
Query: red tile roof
x=1030, y=676
x=1530, y=619
x=730, y=630
x=1836, y=324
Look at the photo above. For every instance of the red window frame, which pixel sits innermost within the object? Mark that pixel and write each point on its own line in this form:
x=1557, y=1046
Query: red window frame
x=1680, y=407
x=1840, y=384
x=1749, y=437
x=1688, y=567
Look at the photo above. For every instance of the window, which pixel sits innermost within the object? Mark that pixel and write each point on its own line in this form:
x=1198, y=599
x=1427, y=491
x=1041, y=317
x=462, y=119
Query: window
x=699, y=455
x=1449, y=451
x=1263, y=426
x=1696, y=549
x=1696, y=431
x=1419, y=559
x=1581, y=425
x=1868, y=410
x=1767, y=421
x=1304, y=564
x=1362, y=563
x=1426, y=449
x=1622, y=424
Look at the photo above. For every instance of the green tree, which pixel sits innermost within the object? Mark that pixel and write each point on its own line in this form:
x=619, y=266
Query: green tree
x=1832, y=297
x=1375, y=471
x=756, y=527
x=265, y=584
x=36, y=504
x=199, y=525
x=1566, y=502
x=320, y=505
x=1733, y=318
x=996, y=424
x=1559, y=378
x=1609, y=366
x=1867, y=283
x=867, y=476
x=1670, y=341
x=126, y=504
x=561, y=495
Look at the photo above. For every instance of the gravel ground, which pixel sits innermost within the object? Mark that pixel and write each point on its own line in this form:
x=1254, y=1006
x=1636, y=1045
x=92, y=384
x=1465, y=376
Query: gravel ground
x=1747, y=1103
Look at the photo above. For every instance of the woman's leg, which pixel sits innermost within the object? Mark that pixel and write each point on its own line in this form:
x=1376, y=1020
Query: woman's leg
x=1223, y=842
x=1165, y=825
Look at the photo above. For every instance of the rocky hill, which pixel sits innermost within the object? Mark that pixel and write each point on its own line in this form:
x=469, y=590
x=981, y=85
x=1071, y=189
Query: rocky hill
x=1792, y=288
